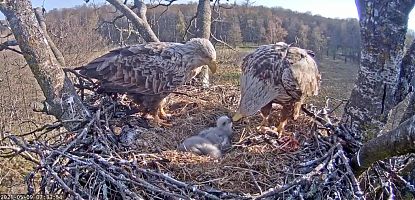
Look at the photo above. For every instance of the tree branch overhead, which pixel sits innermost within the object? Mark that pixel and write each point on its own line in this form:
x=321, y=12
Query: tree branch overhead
x=140, y=23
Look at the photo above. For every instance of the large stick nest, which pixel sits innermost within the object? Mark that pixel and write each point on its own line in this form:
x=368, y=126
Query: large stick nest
x=120, y=156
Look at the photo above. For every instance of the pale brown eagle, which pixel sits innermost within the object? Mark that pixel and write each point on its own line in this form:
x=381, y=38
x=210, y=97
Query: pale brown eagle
x=149, y=72
x=277, y=73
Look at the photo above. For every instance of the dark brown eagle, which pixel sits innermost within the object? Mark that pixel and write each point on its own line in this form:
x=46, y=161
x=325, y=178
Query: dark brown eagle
x=149, y=72
x=277, y=73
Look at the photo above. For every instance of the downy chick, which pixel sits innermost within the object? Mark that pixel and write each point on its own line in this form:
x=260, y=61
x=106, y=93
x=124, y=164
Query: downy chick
x=213, y=141
x=220, y=135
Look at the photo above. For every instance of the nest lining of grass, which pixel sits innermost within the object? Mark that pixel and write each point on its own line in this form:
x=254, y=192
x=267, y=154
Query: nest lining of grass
x=118, y=156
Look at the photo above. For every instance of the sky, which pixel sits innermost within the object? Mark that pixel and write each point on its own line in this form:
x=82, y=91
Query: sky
x=325, y=8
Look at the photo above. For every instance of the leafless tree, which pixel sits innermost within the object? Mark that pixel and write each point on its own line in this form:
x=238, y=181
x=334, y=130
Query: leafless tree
x=385, y=77
x=61, y=98
x=139, y=20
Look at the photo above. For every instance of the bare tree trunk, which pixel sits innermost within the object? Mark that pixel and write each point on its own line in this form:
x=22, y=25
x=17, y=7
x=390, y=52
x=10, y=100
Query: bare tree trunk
x=383, y=27
x=139, y=22
x=55, y=50
x=61, y=98
x=204, y=15
x=399, y=141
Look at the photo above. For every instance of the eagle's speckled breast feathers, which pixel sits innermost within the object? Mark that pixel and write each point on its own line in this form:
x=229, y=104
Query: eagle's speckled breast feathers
x=277, y=73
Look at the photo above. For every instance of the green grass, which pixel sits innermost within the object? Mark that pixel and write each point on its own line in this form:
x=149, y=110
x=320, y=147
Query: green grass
x=231, y=76
x=337, y=82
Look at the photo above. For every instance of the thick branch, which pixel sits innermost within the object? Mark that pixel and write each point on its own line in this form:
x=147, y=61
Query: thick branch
x=61, y=98
x=397, y=142
x=141, y=24
x=55, y=50
x=383, y=29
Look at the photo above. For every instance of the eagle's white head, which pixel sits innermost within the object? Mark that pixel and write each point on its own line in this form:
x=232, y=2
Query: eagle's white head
x=205, y=51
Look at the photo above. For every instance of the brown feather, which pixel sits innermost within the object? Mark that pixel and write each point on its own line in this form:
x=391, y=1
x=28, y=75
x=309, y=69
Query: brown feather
x=277, y=73
x=152, y=69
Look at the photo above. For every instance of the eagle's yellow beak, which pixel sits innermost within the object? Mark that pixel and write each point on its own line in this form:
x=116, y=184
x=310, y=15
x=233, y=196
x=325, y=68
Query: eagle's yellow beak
x=213, y=67
x=237, y=117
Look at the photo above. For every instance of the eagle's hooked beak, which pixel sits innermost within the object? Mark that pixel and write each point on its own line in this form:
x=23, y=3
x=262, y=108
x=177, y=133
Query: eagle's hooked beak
x=213, y=66
x=237, y=117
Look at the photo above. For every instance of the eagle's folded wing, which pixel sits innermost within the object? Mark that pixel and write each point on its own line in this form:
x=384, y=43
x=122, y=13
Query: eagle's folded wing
x=145, y=69
x=290, y=85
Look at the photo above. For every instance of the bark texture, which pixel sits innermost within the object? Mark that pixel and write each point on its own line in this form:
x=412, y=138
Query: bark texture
x=407, y=83
x=139, y=22
x=54, y=48
x=397, y=142
x=383, y=27
x=203, y=21
x=410, y=110
x=141, y=9
x=406, y=75
x=61, y=98
x=204, y=15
